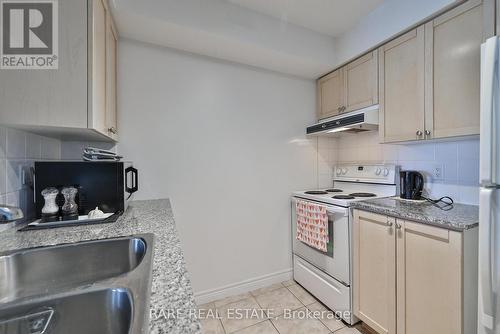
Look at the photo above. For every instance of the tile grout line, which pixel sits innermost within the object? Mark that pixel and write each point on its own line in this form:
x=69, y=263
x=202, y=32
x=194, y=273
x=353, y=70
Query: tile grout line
x=222, y=325
x=272, y=324
x=264, y=320
x=270, y=319
x=254, y=297
x=306, y=306
x=297, y=296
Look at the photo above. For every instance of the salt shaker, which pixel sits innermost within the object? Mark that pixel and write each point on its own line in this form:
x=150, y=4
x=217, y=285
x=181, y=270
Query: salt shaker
x=50, y=208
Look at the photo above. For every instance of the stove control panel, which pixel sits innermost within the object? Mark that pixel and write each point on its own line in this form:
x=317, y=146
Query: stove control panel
x=377, y=173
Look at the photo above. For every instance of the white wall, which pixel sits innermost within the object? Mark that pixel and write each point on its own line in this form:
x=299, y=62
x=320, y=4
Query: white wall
x=458, y=161
x=226, y=144
x=18, y=151
x=390, y=18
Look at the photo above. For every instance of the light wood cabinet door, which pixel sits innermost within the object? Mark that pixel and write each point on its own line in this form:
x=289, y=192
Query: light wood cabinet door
x=49, y=98
x=111, y=44
x=330, y=92
x=97, y=105
x=429, y=279
x=401, y=85
x=361, y=82
x=453, y=61
x=374, y=271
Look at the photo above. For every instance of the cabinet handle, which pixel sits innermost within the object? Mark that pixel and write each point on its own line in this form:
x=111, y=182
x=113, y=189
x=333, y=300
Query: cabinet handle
x=339, y=109
x=419, y=133
x=427, y=133
x=112, y=130
x=389, y=223
x=398, y=226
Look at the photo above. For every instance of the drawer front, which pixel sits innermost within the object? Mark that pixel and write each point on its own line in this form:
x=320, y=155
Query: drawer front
x=330, y=292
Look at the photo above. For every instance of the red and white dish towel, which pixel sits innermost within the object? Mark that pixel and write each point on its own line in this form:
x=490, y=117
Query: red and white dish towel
x=312, y=224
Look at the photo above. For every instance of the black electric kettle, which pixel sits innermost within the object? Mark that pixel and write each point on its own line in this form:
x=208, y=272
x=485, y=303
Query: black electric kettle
x=411, y=184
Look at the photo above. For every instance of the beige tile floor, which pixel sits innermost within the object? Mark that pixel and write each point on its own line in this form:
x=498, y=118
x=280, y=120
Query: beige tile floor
x=277, y=297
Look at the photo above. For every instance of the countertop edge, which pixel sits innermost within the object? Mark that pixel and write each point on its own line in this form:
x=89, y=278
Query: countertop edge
x=370, y=207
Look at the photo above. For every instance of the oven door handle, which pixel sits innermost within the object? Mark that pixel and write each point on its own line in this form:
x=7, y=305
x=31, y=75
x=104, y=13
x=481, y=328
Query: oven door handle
x=339, y=211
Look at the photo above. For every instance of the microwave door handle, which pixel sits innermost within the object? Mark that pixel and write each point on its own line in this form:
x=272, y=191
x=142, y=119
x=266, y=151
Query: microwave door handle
x=135, y=180
x=33, y=172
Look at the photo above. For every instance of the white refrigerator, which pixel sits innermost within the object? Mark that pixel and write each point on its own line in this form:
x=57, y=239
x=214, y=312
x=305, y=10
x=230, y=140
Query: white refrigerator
x=489, y=200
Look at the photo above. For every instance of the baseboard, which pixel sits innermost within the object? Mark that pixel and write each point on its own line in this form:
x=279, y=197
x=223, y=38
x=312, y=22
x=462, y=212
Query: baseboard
x=208, y=296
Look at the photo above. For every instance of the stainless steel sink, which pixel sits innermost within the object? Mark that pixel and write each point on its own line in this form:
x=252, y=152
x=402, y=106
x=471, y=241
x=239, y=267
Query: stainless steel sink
x=100, y=286
x=27, y=272
x=101, y=311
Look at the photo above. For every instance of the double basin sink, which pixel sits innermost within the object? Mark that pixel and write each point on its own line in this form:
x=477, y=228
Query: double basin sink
x=100, y=286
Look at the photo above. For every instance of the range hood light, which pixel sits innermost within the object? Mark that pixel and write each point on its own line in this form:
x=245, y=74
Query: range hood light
x=338, y=130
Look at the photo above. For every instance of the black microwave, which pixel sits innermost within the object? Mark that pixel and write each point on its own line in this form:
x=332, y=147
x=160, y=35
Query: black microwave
x=107, y=185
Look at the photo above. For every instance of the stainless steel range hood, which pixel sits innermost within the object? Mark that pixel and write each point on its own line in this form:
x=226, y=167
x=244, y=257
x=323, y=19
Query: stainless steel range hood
x=355, y=121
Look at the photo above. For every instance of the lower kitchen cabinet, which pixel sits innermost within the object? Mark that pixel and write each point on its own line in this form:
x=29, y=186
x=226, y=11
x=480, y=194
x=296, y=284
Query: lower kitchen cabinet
x=411, y=278
x=374, y=271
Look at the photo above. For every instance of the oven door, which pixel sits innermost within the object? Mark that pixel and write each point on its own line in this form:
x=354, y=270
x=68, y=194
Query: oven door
x=335, y=261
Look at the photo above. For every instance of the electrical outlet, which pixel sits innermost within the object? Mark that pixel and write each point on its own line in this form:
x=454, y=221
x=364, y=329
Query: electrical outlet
x=437, y=172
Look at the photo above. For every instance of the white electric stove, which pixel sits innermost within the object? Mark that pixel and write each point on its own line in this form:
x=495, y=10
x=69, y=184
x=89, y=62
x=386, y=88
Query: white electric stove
x=328, y=275
x=355, y=183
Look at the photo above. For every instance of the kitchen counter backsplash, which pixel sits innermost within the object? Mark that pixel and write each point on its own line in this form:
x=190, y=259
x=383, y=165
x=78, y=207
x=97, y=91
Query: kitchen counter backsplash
x=172, y=306
x=458, y=217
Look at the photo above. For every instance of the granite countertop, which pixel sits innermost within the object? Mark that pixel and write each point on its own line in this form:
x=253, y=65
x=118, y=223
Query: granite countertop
x=171, y=288
x=460, y=217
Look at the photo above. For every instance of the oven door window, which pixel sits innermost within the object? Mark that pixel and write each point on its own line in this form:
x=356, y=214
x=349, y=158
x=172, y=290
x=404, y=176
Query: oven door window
x=330, y=236
x=329, y=245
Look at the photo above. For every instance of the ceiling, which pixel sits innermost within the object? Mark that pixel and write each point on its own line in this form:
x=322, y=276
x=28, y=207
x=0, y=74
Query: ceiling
x=250, y=32
x=329, y=17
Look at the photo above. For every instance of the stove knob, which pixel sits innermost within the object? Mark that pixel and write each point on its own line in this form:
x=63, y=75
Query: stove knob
x=386, y=171
x=378, y=171
x=339, y=171
x=344, y=171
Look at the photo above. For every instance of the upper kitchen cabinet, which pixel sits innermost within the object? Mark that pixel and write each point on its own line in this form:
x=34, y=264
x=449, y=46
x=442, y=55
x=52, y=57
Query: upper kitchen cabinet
x=430, y=77
x=349, y=88
x=453, y=59
x=111, y=128
x=78, y=99
x=331, y=94
x=361, y=82
x=401, y=75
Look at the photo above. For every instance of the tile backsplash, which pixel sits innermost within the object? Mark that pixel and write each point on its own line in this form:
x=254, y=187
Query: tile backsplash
x=18, y=151
x=456, y=162
x=327, y=158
